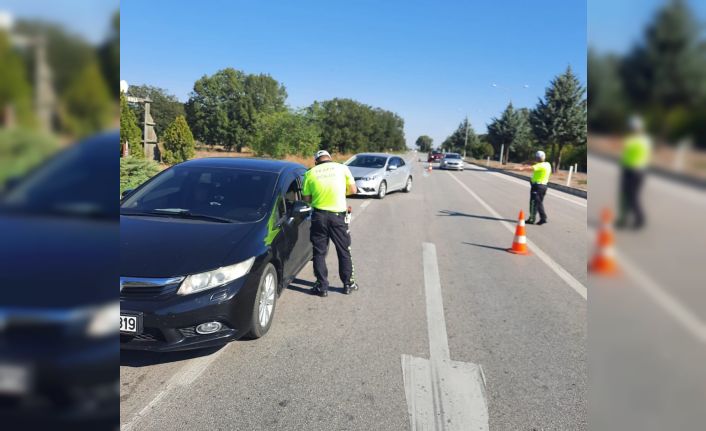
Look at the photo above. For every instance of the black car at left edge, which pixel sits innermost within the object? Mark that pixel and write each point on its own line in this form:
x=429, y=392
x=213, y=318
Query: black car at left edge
x=207, y=246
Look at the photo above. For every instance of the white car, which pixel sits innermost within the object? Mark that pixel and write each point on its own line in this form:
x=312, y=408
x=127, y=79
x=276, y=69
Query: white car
x=377, y=174
x=451, y=161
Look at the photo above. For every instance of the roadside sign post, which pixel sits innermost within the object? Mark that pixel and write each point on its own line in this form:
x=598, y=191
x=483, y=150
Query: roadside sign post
x=568, y=179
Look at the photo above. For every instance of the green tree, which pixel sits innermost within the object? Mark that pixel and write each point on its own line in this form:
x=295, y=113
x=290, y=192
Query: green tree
x=165, y=107
x=109, y=54
x=283, y=133
x=68, y=55
x=87, y=104
x=424, y=143
x=223, y=108
x=178, y=142
x=348, y=126
x=607, y=102
x=560, y=118
x=15, y=91
x=462, y=139
x=22, y=149
x=129, y=131
x=134, y=172
x=665, y=74
x=512, y=132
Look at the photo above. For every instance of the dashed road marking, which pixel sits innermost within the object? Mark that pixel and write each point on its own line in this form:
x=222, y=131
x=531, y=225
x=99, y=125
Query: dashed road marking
x=442, y=394
x=551, y=263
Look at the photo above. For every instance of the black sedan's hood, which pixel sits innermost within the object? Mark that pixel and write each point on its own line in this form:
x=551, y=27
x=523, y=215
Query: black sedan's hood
x=57, y=262
x=169, y=247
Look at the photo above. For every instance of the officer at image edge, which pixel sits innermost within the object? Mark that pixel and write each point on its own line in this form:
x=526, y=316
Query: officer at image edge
x=325, y=188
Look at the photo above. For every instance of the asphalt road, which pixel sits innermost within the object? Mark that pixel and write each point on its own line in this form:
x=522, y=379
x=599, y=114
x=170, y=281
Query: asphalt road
x=648, y=324
x=436, y=285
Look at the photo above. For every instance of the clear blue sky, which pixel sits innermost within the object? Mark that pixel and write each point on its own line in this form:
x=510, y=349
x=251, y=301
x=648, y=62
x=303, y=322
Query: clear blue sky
x=432, y=62
x=615, y=25
x=87, y=18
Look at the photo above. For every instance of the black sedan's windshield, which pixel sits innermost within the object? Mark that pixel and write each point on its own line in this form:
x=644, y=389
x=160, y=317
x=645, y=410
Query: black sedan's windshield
x=204, y=193
x=367, y=162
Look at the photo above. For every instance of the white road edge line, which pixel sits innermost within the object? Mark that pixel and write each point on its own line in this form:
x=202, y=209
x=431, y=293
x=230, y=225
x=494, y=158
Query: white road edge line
x=551, y=192
x=192, y=370
x=661, y=297
x=442, y=394
x=182, y=378
x=551, y=263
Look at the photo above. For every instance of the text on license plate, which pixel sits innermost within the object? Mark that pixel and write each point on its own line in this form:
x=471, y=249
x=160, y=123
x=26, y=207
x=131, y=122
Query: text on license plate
x=128, y=323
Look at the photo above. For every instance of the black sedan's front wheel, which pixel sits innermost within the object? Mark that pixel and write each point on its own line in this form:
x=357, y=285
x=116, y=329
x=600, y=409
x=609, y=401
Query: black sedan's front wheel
x=265, y=301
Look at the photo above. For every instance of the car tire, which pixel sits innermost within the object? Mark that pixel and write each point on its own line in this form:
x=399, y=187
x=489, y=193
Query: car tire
x=408, y=185
x=265, y=301
x=382, y=190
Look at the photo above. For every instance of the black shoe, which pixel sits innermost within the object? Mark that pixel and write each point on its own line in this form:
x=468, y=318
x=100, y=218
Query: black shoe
x=529, y=221
x=317, y=290
x=348, y=288
x=541, y=222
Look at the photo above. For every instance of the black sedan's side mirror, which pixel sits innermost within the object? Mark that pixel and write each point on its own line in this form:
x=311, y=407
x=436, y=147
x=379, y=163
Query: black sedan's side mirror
x=301, y=209
x=125, y=193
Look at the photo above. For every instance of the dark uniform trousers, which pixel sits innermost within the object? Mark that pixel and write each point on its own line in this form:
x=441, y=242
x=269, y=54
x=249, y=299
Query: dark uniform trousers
x=537, y=192
x=631, y=184
x=327, y=225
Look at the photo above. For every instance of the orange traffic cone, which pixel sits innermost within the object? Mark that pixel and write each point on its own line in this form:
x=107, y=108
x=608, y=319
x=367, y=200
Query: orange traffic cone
x=519, y=244
x=603, y=261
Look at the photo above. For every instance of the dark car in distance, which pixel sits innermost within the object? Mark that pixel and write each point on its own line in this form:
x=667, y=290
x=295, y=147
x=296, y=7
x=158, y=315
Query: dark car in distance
x=207, y=246
x=435, y=156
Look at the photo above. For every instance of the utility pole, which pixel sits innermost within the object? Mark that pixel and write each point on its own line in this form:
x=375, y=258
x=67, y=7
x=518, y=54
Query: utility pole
x=465, y=141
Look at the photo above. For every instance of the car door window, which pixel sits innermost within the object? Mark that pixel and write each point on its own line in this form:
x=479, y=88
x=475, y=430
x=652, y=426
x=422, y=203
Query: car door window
x=291, y=195
x=400, y=162
x=393, y=162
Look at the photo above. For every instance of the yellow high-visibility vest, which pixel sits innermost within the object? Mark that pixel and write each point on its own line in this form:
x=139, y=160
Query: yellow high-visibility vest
x=542, y=172
x=636, y=152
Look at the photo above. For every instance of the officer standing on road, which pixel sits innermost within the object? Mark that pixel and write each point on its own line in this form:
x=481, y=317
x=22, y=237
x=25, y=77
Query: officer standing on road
x=542, y=170
x=325, y=187
x=637, y=150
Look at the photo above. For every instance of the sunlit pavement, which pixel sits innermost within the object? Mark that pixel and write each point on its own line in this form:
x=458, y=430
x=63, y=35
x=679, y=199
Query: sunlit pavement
x=336, y=363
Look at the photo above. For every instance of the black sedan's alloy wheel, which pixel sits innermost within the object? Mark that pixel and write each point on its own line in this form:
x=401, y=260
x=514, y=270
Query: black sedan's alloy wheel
x=265, y=300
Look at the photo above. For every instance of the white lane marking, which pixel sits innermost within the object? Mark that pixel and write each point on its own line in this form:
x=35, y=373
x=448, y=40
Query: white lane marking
x=661, y=296
x=442, y=394
x=364, y=204
x=550, y=192
x=182, y=378
x=558, y=269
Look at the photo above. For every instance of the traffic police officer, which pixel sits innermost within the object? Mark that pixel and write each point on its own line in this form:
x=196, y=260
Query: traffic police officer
x=540, y=177
x=637, y=150
x=325, y=187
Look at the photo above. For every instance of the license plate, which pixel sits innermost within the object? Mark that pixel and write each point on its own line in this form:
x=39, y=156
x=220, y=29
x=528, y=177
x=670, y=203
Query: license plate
x=129, y=324
x=14, y=379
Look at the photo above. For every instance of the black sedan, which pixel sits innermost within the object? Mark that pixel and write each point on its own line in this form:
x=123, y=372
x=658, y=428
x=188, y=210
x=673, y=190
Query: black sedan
x=59, y=352
x=207, y=246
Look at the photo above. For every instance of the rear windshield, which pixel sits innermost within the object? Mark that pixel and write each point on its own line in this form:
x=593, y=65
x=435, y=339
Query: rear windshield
x=237, y=195
x=367, y=162
x=452, y=156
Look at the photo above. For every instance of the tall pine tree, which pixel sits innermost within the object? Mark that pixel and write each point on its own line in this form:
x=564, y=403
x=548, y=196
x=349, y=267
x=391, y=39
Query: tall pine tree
x=512, y=132
x=560, y=118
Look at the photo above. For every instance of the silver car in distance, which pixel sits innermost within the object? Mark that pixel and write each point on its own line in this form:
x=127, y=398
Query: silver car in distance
x=451, y=161
x=377, y=174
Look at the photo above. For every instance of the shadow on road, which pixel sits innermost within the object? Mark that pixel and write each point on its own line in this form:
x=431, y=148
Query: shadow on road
x=137, y=358
x=487, y=246
x=447, y=213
